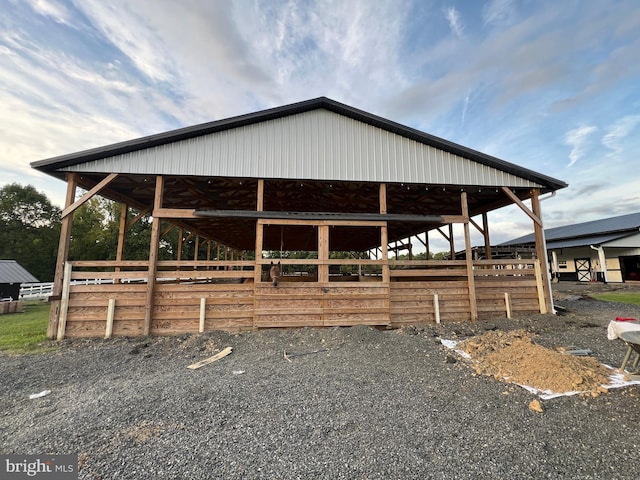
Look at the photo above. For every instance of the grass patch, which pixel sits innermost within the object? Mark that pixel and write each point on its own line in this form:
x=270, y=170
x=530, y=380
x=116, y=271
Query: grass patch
x=632, y=298
x=24, y=332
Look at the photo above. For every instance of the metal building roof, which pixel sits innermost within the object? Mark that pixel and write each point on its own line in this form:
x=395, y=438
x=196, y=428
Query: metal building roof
x=318, y=139
x=12, y=272
x=596, y=232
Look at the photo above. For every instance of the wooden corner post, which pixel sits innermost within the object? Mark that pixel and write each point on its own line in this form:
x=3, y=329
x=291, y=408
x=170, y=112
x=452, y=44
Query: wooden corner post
x=541, y=250
x=63, y=252
x=473, y=306
x=153, y=257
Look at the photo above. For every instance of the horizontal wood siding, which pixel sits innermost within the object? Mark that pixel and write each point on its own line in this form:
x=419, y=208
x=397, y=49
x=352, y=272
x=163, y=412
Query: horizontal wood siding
x=234, y=302
x=412, y=302
x=317, y=305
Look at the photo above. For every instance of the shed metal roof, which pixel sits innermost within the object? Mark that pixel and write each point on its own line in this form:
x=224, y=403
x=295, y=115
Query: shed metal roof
x=318, y=139
x=596, y=232
x=12, y=272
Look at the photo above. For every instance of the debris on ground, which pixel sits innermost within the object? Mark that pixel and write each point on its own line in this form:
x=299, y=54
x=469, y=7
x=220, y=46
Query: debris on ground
x=515, y=357
x=43, y=393
x=209, y=360
x=536, y=406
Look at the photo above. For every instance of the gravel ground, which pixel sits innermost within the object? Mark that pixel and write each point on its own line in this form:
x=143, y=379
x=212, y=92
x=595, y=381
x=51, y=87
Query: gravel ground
x=370, y=404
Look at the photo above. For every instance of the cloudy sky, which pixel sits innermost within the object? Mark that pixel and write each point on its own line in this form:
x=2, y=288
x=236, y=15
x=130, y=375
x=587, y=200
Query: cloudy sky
x=551, y=86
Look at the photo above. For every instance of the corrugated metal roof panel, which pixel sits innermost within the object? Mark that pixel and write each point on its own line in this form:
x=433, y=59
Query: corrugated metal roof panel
x=317, y=145
x=623, y=223
x=584, y=241
x=12, y=272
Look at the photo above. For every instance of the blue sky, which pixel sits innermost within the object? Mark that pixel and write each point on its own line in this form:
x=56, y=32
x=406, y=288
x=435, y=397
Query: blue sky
x=551, y=86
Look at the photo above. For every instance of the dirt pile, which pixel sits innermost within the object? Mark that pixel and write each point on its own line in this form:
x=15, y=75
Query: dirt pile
x=515, y=357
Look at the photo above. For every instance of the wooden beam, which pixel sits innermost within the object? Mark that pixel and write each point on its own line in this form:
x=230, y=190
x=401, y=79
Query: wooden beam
x=447, y=238
x=323, y=253
x=541, y=250
x=452, y=247
x=138, y=217
x=180, y=241
x=63, y=252
x=454, y=218
x=167, y=230
x=122, y=229
x=257, y=273
x=487, y=241
x=384, y=240
x=383, y=198
x=153, y=257
x=522, y=206
x=260, y=196
x=87, y=196
x=467, y=247
x=174, y=213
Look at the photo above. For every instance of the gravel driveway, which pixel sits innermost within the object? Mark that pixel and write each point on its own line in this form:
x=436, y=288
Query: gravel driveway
x=352, y=403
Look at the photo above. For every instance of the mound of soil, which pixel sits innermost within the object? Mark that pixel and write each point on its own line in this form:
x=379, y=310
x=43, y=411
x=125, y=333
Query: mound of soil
x=514, y=357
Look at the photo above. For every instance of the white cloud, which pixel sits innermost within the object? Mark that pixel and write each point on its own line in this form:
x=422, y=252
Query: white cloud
x=51, y=9
x=455, y=24
x=578, y=140
x=127, y=30
x=617, y=132
x=497, y=12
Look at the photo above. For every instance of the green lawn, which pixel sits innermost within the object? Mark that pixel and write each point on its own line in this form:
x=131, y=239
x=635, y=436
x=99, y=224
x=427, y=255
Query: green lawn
x=633, y=298
x=23, y=332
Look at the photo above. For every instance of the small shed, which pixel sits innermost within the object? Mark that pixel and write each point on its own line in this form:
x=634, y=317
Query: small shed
x=606, y=250
x=12, y=275
x=350, y=189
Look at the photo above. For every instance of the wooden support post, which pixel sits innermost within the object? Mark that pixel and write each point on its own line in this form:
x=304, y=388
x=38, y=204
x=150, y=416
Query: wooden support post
x=203, y=309
x=452, y=247
x=436, y=307
x=540, y=287
x=260, y=196
x=195, y=250
x=541, y=251
x=467, y=247
x=485, y=233
x=507, y=304
x=63, y=252
x=257, y=273
x=110, y=314
x=384, y=235
x=323, y=253
x=179, y=249
x=208, y=251
x=383, y=198
x=64, y=303
x=122, y=230
x=384, y=239
x=153, y=258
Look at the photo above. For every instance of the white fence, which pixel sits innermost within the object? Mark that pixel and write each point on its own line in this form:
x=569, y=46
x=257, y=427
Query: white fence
x=34, y=291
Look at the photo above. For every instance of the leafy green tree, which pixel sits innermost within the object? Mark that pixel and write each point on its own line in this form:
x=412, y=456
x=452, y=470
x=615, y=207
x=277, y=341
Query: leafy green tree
x=29, y=229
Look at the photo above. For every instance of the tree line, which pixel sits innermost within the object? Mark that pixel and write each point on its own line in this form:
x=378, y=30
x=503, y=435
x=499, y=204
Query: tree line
x=30, y=231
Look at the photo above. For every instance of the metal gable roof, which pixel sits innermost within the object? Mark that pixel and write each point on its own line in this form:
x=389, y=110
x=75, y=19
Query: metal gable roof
x=12, y=272
x=127, y=151
x=595, y=232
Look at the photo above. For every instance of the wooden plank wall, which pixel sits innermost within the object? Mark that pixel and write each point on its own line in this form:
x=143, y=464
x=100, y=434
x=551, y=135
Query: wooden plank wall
x=232, y=301
x=321, y=305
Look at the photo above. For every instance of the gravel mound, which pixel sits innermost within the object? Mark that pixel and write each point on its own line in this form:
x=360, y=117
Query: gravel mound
x=349, y=403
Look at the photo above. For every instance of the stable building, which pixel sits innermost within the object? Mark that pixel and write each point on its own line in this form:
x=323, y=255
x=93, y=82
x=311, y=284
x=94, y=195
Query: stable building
x=343, y=186
x=606, y=250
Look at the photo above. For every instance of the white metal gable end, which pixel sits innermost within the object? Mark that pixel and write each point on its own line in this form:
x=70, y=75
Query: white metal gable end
x=314, y=145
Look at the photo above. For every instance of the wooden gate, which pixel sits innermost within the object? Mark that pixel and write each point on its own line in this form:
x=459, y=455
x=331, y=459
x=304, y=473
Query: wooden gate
x=583, y=269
